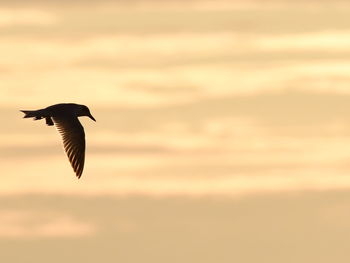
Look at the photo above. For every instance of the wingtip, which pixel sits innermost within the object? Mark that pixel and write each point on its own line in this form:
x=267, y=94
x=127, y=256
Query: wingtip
x=78, y=174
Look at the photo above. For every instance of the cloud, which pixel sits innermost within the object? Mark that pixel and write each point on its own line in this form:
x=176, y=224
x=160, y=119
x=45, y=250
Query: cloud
x=30, y=224
x=326, y=41
x=25, y=17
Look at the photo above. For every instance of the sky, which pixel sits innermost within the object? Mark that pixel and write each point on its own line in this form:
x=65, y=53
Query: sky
x=221, y=126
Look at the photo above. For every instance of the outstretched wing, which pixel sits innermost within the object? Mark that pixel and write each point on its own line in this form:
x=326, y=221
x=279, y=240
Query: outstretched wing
x=73, y=136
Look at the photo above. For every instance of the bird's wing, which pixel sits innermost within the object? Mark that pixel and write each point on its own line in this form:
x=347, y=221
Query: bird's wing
x=73, y=136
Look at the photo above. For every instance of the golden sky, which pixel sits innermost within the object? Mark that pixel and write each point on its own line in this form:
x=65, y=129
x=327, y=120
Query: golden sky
x=202, y=107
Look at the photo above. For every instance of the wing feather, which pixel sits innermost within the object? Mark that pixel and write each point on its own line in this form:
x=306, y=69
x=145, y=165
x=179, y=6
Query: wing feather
x=73, y=137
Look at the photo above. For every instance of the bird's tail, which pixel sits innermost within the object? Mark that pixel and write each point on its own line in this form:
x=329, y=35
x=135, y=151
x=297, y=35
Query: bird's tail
x=36, y=114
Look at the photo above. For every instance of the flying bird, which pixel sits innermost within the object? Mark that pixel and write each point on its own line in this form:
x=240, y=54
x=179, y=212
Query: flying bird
x=65, y=117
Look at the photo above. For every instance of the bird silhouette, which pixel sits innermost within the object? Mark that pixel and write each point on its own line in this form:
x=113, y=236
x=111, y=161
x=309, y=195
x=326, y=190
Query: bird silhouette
x=65, y=117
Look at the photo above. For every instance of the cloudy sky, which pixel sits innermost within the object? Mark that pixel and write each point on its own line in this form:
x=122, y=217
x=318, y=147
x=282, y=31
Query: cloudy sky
x=213, y=121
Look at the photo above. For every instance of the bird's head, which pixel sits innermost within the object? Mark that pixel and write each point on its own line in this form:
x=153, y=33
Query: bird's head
x=84, y=111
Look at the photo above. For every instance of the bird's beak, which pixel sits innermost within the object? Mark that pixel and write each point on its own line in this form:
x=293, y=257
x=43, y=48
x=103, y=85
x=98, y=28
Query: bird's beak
x=90, y=116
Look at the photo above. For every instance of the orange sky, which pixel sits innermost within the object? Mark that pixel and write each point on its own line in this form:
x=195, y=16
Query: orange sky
x=222, y=131
x=223, y=103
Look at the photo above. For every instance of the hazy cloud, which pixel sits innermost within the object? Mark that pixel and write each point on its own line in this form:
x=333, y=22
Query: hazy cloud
x=31, y=224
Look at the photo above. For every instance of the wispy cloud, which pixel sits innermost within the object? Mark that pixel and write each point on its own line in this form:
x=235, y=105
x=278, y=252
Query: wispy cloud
x=31, y=224
x=25, y=17
x=326, y=41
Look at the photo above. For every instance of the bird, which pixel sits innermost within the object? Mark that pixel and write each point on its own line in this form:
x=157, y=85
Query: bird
x=65, y=117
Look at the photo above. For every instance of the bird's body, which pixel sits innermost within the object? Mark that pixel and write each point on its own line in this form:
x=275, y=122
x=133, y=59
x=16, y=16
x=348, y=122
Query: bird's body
x=65, y=117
